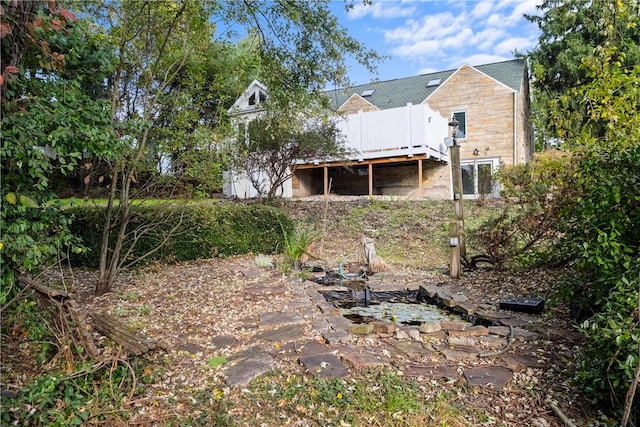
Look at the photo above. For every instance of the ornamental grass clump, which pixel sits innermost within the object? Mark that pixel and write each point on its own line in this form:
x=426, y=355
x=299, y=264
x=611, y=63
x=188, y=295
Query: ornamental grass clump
x=297, y=244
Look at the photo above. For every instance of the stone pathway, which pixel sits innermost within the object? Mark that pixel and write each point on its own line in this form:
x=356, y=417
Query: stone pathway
x=310, y=331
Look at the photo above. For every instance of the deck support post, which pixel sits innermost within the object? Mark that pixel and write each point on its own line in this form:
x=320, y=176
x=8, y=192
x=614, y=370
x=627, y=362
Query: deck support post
x=370, y=174
x=420, y=177
x=326, y=182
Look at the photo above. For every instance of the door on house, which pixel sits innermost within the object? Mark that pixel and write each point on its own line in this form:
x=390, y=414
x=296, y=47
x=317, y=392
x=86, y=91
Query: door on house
x=477, y=178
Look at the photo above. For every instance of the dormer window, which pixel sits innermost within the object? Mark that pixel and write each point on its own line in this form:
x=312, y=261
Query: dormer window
x=261, y=97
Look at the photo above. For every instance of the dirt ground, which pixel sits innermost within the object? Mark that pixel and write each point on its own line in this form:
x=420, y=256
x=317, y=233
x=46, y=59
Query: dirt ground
x=203, y=301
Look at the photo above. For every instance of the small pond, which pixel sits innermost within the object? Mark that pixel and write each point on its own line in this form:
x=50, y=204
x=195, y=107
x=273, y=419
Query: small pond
x=402, y=307
x=398, y=312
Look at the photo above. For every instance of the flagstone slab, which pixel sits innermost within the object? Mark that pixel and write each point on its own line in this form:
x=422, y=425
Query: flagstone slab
x=324, y=365
x=360, y=361
x=436, y=371
x=247, y=366
x=312, y=348
x=223, y=341
x=300, y=304
x=517, y=363
x=264, y=290
x=276, y=318
x=334, y=337
x=494, y=375
x=460, y=354
x=411, y=349
x=281, y=334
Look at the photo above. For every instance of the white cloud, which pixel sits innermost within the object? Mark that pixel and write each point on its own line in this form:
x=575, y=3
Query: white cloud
x=487, y=38
x=482, y=9
x=428, y=70
x=382, y=10
x=444, y=35
x=483, y=58
x=438, y=47
x=431, y=27
x=512, y=11
x=512, y=44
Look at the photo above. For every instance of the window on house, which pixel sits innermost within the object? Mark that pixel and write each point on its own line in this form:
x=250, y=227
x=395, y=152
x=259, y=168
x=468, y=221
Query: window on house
x=243, y=132
x=461, y=117
x=261, y=97
x=477, y=178
x=367, y=92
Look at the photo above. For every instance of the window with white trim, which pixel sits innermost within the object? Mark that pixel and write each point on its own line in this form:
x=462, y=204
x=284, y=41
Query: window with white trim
x=461, y=117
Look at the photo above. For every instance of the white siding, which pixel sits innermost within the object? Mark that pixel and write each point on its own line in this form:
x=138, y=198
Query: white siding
x=238, y=185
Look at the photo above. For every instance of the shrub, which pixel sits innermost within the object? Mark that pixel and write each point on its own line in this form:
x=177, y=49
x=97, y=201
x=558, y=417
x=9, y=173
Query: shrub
x=90, y=395
x=526, y=231
x=602, y=233
x=608, y=365
x=201, y=230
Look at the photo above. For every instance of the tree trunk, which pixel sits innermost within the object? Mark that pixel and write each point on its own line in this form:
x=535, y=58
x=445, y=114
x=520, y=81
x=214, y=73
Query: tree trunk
x=110, y=261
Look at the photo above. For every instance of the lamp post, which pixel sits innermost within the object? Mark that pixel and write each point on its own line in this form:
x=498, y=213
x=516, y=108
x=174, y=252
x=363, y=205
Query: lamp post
x=456, y=228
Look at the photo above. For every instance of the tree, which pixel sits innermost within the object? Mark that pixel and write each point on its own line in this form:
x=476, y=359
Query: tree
x=570, y=30
x=303, y=48
x=601, y=225
x=53, y=66
x=300, y=44
x=269, y=147
x=594, y=111
x=195, y=112
x=154, y=40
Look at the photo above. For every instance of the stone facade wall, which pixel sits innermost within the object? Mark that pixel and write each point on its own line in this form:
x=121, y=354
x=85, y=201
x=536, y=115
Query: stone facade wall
x=437, y=182
x=307, y=182
x=357, y=103
x=388, y=179
x=489, y=108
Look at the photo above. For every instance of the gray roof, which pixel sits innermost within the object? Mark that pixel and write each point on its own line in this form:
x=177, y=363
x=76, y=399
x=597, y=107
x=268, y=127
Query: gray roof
x=399, y=92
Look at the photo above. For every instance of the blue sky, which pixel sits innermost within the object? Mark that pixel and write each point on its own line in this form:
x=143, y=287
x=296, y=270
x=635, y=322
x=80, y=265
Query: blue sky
x=423, y=36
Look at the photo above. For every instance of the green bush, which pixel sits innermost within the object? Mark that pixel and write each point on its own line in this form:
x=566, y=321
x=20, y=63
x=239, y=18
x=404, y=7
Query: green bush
x=608, y=364
x=525, y=233
x=201, y=230
x=90, y=395
x=602, y=233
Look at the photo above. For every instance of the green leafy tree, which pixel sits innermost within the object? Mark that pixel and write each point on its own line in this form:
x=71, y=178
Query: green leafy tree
x=586, y=72
x=155, y=40
x=301, y=48
x=268, y=149
x=570, y=29
x=194, y=113
x=600, y=220
x=53, y=71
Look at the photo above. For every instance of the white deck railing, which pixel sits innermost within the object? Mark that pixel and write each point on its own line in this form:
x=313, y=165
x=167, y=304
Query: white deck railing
x=403, y=131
